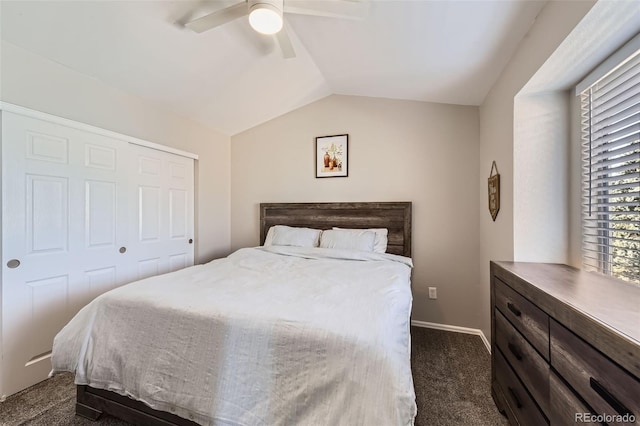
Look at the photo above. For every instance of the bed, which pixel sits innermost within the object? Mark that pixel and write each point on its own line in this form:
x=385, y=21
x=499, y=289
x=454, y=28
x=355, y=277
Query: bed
x=268, y=335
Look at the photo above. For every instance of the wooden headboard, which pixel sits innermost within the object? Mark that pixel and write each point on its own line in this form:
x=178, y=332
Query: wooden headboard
x=395, y=216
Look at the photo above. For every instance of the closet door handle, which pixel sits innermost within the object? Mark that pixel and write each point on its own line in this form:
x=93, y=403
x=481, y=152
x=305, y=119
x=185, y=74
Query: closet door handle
x=190, y=240
x=123, y=250
x=513, y=309
x=607, y=396
x=13, y=264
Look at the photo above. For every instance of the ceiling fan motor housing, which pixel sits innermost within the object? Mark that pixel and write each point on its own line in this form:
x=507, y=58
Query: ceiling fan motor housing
x=275, y=4
x=265, y=16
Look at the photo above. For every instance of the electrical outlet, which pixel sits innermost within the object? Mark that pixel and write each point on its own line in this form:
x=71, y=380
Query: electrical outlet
x=433, y=293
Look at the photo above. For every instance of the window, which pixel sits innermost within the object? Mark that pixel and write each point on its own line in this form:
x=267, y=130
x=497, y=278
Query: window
x=610, y=121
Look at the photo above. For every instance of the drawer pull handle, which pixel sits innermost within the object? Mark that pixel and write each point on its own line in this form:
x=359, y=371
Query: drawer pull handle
x=606, y=395
x=514, y=350
x=514, y=395
x=513, y=309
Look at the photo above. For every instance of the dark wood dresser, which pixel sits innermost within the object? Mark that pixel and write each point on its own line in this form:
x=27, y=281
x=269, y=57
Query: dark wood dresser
x=565, y=345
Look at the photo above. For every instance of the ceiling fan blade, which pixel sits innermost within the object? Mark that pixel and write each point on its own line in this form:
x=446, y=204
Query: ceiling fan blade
x=347, y=9
x=284, y=41
x=218, y=18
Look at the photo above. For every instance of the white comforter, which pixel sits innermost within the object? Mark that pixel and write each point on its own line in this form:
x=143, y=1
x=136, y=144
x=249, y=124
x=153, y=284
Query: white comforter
x=266, y=336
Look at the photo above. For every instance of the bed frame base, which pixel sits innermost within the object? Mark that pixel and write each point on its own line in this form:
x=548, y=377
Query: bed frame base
x=87, y=412
x=91, y=403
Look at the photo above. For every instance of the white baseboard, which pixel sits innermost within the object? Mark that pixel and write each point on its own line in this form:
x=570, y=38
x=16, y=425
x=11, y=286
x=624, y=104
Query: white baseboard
x=455, y=329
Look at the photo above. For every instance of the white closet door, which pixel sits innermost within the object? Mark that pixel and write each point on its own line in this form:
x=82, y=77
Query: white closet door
x=64, y=219
x=162, y=208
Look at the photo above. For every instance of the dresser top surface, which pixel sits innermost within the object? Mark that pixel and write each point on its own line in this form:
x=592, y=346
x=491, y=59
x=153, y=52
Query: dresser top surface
x=612, y=303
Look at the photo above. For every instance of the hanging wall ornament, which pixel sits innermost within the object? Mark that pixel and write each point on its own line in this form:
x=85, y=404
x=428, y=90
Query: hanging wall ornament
x=494, y=191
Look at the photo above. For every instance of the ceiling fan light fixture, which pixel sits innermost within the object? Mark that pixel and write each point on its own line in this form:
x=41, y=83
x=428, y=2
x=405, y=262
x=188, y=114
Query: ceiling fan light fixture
x=265, y=16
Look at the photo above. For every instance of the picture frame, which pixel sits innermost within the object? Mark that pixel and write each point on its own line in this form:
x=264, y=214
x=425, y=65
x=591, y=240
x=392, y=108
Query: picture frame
x=332, y=156
x=494, y=191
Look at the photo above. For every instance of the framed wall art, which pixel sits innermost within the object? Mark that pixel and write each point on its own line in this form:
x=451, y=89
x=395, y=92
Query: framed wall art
x=494, y=191
x=332, y=156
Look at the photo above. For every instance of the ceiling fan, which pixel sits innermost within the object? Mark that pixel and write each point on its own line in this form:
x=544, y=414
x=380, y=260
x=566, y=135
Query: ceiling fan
x=266, y=16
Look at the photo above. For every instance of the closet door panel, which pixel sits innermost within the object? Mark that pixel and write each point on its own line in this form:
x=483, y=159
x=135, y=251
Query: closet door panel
x=36, y=247
x=64, y=216
x=47, y=216
x=163, y=216
x=178, y=214
x=84, y=211
x=101, y=218
x=102, y=165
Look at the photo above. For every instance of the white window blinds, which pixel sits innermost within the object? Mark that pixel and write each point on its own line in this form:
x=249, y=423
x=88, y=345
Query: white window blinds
x=610, y=121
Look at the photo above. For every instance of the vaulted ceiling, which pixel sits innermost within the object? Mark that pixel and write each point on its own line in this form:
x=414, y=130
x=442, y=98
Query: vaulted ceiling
x=232, y=78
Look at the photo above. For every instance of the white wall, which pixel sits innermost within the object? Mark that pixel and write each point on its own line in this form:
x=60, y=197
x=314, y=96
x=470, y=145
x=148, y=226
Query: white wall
x=398, y=151
x=497, y=135
x=530, y=120
x=575, y=185
x=541, y=178
x=33, y=82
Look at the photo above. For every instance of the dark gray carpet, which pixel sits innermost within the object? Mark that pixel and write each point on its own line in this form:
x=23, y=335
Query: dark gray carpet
x=452, y=379
x=451, y=374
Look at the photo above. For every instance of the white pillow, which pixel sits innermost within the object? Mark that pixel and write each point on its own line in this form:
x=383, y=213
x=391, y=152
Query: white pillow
x=281, y=235
x=340, y=239
x=380, y=243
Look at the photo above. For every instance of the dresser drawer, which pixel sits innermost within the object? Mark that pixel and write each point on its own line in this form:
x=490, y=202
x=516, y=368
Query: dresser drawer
x=526, y=317
x=605, y=386
x=530, y=367
x=518, y=399
x=566, y=408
